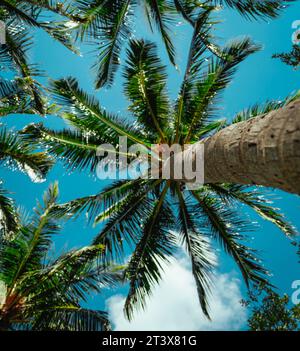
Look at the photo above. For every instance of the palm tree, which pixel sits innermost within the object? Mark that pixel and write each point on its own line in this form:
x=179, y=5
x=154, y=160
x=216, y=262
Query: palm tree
x=110, y=23
x=146, y=214
x=43, y=293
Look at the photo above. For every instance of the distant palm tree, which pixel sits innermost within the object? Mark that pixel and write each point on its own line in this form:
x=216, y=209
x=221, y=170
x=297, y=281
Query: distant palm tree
x=41, y=293
x=145, y=213
x=110, y=22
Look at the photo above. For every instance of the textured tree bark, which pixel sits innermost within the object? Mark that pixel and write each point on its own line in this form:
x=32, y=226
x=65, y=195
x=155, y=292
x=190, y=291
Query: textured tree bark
x=264, y=151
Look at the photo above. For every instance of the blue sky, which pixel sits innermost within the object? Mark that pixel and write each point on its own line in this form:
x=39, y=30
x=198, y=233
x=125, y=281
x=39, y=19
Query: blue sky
x=258, y=79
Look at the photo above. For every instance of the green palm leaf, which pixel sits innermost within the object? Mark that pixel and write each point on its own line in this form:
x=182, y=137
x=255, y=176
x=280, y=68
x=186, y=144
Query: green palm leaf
x=109, y=53
x=262, y=109
x=30, y=16
x=217, y=78
x=255, y=9
x=9, y=217
x=196, y=59
x=96, y=203
x=30, y=244
x=124, y=224
x=69, y=95
x=155, y=245
x=198, y=248
x=72, y=318
x=162, y=13
x=14, y=99
x=226, y=226
x=146, y=87
x=19, y=154
x=255, y=200
x=77, y=149
x=14, y=55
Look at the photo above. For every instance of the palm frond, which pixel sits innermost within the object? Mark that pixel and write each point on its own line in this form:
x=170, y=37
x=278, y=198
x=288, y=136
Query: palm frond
x=19, y=154
x=78, y=150
x=146, y=87
x=257, y=201
x=195, y=61
x=43, y=226
x=186, y=9
x=198, y=249
x=162, y=12
x=52, y=5
x=9, y=216
x=255, y=9
x=29, y=245
x=36, y=94
x=45, y=294
x=14, y=55
x=76, y=101
x=155, y=245
x=14, y=99
x=72, y=318
x=28, y=14
x=116, y=30
x=217, y=78
x=262, y=109
x=124, y=224
x=70, y=278
x=106, y=22
x=12, y=252
x=95, y=204
x=225, y=225
x=17, y=12
x=61, y=33
x=209, y=128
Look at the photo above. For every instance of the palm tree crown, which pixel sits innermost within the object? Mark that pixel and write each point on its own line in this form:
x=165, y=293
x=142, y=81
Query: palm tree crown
x=150, y=215
x=110, y=23
x=39, y=292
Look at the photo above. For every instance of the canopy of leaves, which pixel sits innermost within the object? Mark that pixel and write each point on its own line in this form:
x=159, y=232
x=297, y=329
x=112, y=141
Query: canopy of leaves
x=272, y=312
x=109, y=24
x=153, y=216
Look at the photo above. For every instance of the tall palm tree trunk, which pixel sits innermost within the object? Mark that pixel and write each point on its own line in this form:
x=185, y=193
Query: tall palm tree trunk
x=264, y=151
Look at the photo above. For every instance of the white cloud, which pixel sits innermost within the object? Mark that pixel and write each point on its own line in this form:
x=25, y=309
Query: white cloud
x=174, y=304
